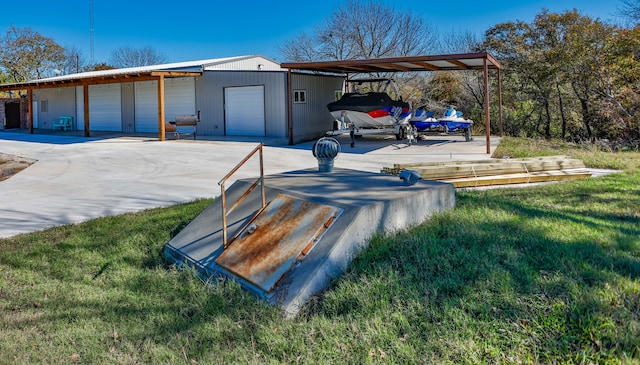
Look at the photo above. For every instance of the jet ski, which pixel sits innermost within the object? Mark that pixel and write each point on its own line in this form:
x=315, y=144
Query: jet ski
x=423, y=120
x=452, y=121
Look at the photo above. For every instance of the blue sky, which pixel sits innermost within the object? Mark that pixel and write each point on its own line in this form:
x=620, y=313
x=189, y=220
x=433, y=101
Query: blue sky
x=210, y=29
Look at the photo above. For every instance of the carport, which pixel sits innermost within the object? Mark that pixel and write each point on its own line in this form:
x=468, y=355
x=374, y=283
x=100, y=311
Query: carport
x=451, y=62
x=105, y=77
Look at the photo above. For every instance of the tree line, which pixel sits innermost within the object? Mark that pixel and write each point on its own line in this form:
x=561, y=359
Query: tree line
x=569, y=76
x=564, y=75
x=28, y=55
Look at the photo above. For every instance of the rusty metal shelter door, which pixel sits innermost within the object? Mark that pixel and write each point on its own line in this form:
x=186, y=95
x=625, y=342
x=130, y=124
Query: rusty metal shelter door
x=283, y=233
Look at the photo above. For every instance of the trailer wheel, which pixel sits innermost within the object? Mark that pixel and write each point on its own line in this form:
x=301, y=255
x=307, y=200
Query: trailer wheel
x=467, y=135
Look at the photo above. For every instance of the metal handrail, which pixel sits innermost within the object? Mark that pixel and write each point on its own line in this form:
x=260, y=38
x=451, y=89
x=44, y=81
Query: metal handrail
x=226, y=212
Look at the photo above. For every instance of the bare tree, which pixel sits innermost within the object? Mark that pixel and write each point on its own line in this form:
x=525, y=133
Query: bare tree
x=630, y=10
x=363, y=29
x=464, y=41
x=134, y=57
x=74, y=61
x=26, y=55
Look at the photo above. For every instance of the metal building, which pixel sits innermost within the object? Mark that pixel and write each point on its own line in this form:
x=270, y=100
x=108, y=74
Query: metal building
x=235, y=96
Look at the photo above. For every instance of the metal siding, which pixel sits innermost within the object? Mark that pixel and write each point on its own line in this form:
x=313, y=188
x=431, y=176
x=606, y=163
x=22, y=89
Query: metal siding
x=61, y=101
x=146, y=114
x=105, y=108
x=209, y=102
x=210, y=99
x=128, y=107
x=80, y=108
x=247, y=64
x=312, y=119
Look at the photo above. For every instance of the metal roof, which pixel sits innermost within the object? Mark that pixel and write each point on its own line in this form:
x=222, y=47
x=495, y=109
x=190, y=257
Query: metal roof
x=450, y=62
x=189, y=68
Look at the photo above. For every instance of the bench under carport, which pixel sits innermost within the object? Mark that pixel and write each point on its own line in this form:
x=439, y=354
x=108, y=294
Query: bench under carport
x=63, y=122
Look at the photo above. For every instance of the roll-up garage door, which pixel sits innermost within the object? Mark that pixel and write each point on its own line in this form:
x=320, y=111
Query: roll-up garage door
x=244, y=111
x=179, y=99
x=146, y=94
x=105, y=108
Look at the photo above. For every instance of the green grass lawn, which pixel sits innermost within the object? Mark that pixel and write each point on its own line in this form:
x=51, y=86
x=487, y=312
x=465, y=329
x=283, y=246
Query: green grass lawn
x=544, y=274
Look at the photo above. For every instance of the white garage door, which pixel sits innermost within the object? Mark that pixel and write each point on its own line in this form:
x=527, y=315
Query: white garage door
x=244, y=111
x=179, y=99
x=146, y=114
x=105, y=108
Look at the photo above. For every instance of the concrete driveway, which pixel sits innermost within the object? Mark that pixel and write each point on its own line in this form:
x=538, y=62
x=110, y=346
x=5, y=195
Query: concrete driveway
x=76, y=179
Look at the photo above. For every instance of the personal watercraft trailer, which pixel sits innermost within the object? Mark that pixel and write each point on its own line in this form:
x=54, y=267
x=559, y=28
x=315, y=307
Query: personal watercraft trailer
x=452, y=122
x=481, y=61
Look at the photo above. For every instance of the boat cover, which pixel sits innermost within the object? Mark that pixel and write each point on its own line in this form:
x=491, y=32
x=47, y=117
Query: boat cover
x=365, y=103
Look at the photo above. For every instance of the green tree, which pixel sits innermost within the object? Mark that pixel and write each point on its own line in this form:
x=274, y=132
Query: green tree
x=519, y=47
x=27, y=55
x=100, y=67
x=621, y=85
x=559, y=63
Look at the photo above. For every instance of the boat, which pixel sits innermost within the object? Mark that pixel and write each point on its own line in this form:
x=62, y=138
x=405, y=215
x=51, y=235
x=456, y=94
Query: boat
x=452, y=121
x=368, y=112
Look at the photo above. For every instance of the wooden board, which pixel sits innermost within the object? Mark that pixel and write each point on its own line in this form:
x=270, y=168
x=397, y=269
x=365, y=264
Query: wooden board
x=535, y=177
x=496, y=171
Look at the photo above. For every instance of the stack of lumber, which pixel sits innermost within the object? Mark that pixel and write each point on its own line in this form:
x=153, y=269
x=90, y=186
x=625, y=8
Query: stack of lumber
x=497, y=171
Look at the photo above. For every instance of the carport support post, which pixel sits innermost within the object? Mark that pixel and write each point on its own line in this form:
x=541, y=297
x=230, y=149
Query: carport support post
x=85, y=92
x=161, y=134
x=30, y=109
x=487, y=115
x=500, y=104
x=289, y=108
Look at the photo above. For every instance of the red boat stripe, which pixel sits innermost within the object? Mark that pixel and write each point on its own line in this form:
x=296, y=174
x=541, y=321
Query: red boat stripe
x=378, y=113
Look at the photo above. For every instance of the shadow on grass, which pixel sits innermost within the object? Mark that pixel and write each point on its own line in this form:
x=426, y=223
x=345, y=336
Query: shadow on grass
x=559, y=264
x=543, y=275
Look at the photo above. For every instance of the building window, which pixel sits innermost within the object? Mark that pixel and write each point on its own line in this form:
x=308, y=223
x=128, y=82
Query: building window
x=338, y=94
x=44, y=106
x=299, y=96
